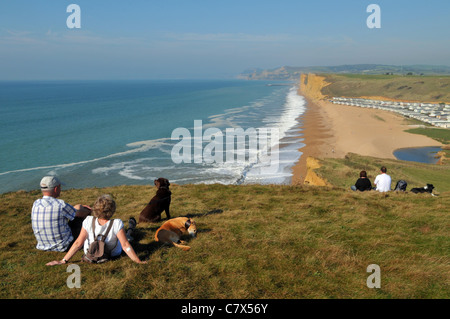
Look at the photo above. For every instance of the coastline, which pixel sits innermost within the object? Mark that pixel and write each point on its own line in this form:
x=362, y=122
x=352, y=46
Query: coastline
x=331, y=130
x=132, y=154
x=317, y=137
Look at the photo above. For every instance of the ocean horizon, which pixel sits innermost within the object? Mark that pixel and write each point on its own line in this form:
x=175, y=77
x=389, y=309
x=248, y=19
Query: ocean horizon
x=108, y=133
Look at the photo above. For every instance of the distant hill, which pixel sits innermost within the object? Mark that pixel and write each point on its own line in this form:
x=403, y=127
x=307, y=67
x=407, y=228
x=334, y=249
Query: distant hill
x=293, y=73
x=428, y=89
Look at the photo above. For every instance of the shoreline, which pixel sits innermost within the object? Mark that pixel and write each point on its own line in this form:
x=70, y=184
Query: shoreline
x=317, y=138
x=333, y=131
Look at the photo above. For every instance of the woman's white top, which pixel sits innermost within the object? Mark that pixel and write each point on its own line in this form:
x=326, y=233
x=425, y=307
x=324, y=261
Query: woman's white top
x=112, y=242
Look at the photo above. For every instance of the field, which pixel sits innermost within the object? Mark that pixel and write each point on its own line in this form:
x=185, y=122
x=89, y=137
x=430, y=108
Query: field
x=441, y=135
x=432, y=89
x=256, y=242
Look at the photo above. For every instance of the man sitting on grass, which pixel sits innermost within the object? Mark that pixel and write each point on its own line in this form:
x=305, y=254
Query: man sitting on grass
x=383, y=181
x=55, y=223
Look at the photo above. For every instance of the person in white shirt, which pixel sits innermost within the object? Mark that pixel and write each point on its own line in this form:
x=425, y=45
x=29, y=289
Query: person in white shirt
x=383, y=181
x=102, y=211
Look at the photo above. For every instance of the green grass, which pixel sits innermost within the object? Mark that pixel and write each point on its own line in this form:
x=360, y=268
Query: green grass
x=344, y=172
x=280, y=242
x=411, y=88
x=441, y=135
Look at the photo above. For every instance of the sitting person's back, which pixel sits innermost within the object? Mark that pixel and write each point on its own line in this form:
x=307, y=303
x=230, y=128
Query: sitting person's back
x=99, y=224
x=55, y=223
x=112, y=242
x=49, y=219
x=383, y=181
x=363, y=183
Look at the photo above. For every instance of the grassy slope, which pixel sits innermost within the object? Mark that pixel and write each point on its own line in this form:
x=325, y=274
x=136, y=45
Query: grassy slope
x=268, y=242
x=434, y=89
x=344, y=172
x=440, y=135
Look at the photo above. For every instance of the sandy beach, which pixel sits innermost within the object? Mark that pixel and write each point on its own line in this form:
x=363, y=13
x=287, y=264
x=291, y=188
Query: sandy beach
x=334, y=130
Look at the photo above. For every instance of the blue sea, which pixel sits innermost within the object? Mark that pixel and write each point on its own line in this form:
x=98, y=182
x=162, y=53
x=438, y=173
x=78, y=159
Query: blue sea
x=107, y=133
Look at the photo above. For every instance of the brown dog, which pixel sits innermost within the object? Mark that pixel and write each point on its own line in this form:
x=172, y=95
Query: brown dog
x=171, y=231
x=159, y=203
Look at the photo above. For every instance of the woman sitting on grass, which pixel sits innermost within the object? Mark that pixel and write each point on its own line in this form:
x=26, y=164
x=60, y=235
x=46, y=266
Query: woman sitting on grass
x=102, y=211
x=363, y=183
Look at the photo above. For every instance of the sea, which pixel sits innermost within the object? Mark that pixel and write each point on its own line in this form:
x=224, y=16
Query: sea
x=108, y=133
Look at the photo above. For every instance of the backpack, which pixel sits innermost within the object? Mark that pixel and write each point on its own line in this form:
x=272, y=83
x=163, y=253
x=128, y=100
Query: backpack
x=97, y=252
x=401, y=186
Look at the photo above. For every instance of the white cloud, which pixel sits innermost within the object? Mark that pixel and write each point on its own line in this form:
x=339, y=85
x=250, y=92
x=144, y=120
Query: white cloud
x=18, y=37
x=77, y=37
x=228, y=37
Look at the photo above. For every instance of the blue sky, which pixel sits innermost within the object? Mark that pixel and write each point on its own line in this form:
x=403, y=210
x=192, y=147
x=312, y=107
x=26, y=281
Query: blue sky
x=147, y=39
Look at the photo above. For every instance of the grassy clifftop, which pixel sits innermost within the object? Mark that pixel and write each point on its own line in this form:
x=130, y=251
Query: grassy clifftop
x=435, y=89
x=344, y=172
x=254, y=242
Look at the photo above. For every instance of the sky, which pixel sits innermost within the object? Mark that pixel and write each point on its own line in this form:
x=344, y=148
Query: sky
x=206, y=39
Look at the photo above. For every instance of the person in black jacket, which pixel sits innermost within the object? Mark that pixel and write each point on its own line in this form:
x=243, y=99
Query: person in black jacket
x=363, y=183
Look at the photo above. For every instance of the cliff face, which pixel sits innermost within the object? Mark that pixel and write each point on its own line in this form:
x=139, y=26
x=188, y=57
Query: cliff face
x=311, y=86
x=311, y=177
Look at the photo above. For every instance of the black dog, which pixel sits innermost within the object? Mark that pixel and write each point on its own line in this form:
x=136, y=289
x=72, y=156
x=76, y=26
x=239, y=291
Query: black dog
x=426, y=189
x=159, y=203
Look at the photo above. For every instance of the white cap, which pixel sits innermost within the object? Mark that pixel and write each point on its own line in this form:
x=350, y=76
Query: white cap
x=50, y=182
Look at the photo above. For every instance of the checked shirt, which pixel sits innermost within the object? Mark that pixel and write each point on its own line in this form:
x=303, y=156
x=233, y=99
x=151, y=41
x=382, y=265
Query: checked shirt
x=49, y=219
